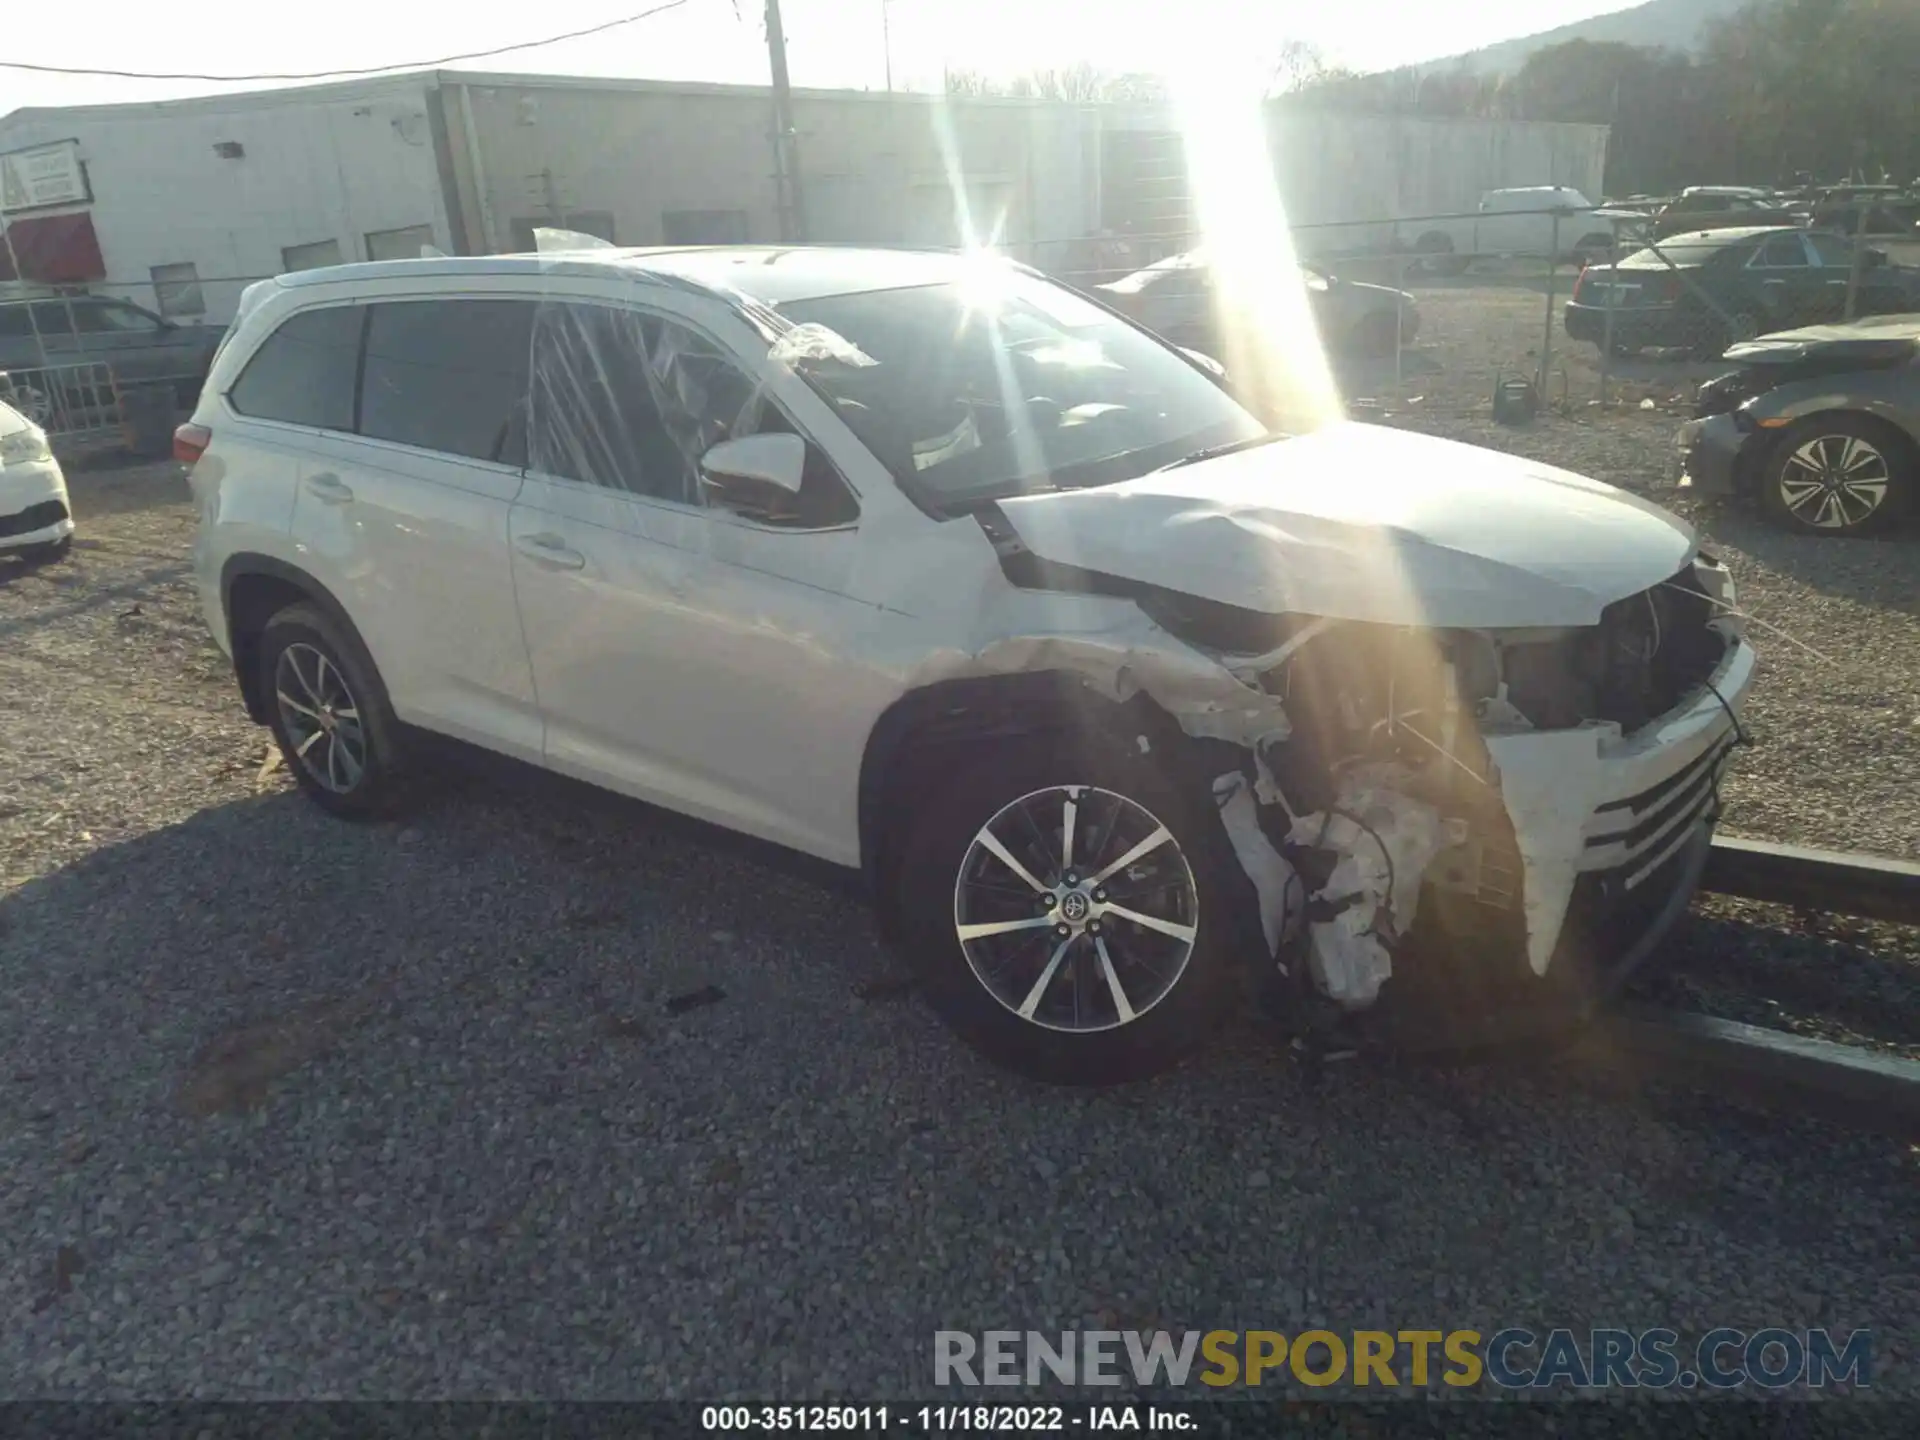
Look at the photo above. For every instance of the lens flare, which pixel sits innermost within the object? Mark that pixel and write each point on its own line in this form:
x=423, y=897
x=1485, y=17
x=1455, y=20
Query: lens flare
x=1263, y=315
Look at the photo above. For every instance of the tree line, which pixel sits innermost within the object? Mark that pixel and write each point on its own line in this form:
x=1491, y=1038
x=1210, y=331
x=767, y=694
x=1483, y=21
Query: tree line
x=1778, y=89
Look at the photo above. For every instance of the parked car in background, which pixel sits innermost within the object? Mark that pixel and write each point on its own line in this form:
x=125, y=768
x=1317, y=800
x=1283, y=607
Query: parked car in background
x=1763, y=279
x=36, y=519
x=1820, y=425
x=140, y=348
x=1519, y=221
x=1118, y=701
x=1886, y=213
x=1716, y=207
x=1177, y=298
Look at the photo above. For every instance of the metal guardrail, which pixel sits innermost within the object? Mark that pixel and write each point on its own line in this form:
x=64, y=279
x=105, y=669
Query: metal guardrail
x=72, y=402
x=1848, y=1084
x=1869, y=887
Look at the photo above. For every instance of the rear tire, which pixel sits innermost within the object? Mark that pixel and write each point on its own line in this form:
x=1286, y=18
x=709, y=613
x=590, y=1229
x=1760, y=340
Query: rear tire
x=1839, y=474
x=1068, y=991
x=1744, y=325
x=329, y=713
x=1594, y=250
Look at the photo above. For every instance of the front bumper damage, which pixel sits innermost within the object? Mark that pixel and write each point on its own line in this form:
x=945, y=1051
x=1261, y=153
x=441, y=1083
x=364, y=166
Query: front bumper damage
x=1499, y=810
x=1553, y=860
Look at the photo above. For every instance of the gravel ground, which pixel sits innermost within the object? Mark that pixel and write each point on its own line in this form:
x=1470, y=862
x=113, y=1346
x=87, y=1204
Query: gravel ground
x=297, y=1108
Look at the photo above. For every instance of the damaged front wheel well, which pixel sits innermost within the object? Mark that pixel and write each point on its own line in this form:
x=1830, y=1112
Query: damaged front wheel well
x=929, y=733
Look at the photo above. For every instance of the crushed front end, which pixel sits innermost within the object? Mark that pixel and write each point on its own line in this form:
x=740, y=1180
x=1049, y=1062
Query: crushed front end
x=1464, y=826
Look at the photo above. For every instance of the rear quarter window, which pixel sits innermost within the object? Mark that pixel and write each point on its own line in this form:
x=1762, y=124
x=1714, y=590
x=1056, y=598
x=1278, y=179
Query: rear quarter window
x=305, y=372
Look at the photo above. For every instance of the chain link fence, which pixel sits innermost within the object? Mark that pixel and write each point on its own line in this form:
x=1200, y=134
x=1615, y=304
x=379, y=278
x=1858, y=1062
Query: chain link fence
x=1439, y=310
x=1585, y=306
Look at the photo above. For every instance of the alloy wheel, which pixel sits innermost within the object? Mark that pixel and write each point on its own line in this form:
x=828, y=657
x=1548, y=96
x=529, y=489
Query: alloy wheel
x=321, y=717
x=1076, y=909
x=1834, y=482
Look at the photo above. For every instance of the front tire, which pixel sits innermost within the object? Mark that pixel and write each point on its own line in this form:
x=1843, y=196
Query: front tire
x=329, y=713
x=47, y=553
x=1063, y=907
x=1839, y=475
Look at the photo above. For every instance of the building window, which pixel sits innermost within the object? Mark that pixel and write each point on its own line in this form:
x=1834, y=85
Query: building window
x=598, y=223
x=704, y=227
x=310, y=257
x=406, y=243
x=176, y=289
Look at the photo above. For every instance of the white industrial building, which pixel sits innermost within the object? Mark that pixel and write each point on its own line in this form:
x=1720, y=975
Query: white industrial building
x=178, y=204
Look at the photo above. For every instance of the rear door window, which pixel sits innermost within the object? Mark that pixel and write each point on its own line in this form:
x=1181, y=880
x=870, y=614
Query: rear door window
x=1831, y=251
x=304, y=374
x=1781, y=252
x=449, y=375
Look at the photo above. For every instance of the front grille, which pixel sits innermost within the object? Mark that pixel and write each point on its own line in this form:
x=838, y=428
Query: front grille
x=34, y=517
x=1634, y=836
x=1613, y=910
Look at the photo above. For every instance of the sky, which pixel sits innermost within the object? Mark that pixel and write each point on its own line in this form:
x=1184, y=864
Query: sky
x=830, y=43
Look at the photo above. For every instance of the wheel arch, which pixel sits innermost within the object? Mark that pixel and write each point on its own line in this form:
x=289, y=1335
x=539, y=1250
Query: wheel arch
x=926, y=732
x=253, y=589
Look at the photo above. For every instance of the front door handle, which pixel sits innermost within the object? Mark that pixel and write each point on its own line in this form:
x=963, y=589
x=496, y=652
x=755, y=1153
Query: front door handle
x=329, y=489
x=550, y=551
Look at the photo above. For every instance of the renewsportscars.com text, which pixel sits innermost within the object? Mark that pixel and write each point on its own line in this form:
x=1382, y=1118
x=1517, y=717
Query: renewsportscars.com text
x=1513, y=1359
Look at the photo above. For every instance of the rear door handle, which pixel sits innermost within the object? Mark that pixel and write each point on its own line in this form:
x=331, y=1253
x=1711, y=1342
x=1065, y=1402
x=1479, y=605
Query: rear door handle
x=550, y=551
x=329, y=489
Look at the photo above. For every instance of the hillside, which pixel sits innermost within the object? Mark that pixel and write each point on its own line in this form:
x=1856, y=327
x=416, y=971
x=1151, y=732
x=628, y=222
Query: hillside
x=1675, y=24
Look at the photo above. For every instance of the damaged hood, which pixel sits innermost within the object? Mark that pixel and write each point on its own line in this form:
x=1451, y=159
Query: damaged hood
x=1876, y=340
x=1362, y=522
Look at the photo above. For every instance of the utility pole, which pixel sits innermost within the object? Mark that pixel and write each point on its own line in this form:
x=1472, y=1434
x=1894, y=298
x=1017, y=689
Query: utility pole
x=786, y=150
x=886, y=43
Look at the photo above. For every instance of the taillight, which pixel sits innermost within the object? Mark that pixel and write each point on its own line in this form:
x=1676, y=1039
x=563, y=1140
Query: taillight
x=190, y=443
x=1669, y=287
x=1580, y=281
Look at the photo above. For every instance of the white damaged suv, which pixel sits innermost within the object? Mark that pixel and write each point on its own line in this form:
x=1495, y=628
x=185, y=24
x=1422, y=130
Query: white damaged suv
x=937, y=570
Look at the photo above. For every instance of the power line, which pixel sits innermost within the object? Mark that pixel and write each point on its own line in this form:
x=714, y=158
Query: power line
x=369, y=70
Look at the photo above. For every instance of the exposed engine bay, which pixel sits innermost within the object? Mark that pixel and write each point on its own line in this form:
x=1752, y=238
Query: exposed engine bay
x=1461, y=769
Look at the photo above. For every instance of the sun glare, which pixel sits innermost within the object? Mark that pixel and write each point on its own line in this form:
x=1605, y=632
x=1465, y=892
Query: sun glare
x=1273, y=349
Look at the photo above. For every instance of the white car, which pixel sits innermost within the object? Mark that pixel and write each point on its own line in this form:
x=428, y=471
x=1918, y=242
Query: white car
x=36, y=520
x=1531, y=220
x=934, y=569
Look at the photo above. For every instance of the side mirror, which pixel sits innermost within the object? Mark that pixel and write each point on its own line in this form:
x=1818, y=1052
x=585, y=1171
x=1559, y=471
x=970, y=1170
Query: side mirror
x=1874, y=259
x=756, y=474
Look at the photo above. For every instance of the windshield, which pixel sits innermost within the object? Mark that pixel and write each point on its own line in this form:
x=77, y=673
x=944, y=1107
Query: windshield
x=970, y=392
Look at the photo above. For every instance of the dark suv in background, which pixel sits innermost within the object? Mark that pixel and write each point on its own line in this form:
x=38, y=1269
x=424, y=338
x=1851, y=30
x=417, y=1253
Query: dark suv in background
x=139, y=347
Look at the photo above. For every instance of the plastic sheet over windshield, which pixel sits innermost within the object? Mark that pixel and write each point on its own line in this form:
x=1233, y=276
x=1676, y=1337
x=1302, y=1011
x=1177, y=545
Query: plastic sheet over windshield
x=973, y=391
